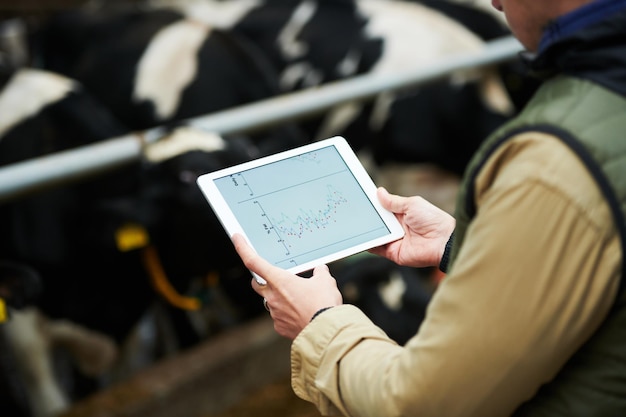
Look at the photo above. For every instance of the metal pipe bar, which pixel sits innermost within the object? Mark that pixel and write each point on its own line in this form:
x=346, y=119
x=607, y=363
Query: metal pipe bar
x=35, y=174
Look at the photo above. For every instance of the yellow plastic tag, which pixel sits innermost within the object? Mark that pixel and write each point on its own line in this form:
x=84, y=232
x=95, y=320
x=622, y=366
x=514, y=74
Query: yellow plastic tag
x=4, y=316
x=130, y=237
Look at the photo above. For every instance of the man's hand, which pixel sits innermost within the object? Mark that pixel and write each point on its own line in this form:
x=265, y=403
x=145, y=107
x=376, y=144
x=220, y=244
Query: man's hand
x=292, y=300
x=427, y=230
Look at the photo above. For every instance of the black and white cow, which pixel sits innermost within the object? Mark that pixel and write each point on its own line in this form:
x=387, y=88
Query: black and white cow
x=43, y=113
x=39, y=115
x=97, y=288
x=68, y=231
x=157, y=67
x=73, y=234
x=313, y=42
x=153, y=68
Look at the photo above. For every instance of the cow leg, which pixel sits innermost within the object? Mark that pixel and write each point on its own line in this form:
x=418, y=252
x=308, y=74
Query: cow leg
x=94, y=353
x=33, y=361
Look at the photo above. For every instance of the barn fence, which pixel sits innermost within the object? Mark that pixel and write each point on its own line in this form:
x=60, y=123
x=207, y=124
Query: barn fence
x=27, y=177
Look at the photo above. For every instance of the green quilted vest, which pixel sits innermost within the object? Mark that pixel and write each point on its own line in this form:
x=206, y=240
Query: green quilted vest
x=592, y=121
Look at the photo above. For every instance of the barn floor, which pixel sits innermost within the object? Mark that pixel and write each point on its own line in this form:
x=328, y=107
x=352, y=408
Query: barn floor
x=244, y=372
x=272, y=400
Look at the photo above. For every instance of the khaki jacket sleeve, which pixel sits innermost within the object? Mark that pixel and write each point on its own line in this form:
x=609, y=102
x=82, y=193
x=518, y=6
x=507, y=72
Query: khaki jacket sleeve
x=536, y=276
x=334, y=334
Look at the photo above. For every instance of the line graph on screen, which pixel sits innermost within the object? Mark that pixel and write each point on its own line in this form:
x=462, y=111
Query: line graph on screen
x=301, y=207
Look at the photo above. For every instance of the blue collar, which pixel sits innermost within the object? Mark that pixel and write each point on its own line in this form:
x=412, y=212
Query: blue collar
x=582, y=17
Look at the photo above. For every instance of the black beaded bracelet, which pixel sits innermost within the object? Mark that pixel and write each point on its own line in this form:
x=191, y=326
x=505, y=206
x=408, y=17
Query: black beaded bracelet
x=445, y=258
x=320, y=311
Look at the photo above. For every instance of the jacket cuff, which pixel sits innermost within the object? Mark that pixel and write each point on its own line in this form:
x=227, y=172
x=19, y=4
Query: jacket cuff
x=313, y=366
x=445, y=258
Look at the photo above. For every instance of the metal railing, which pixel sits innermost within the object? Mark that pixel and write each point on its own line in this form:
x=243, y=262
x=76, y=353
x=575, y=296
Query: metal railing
x=29, y=176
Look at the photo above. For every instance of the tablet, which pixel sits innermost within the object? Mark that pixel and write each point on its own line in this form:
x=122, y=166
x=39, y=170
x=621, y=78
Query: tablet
x=303, y=207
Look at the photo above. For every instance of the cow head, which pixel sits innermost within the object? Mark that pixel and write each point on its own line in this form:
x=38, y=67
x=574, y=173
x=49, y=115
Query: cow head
x=20, y=285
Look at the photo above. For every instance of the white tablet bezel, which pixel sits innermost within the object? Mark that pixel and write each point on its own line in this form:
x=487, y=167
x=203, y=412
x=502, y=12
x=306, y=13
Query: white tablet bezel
x=232, y=225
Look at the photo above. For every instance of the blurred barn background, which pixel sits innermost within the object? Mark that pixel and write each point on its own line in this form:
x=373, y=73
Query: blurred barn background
x=120, y=294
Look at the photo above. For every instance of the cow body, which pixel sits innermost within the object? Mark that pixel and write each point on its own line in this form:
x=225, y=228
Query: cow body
x=53, y=230
x=41, y=113
x=310, y=43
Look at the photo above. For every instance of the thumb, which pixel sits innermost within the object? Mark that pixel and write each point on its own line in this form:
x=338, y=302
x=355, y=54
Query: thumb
x=253, y=261
x=321, y=270
x=391, y=202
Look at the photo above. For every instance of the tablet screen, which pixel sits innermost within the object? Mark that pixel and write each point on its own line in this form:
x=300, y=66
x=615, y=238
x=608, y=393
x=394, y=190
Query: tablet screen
x=302, y=208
